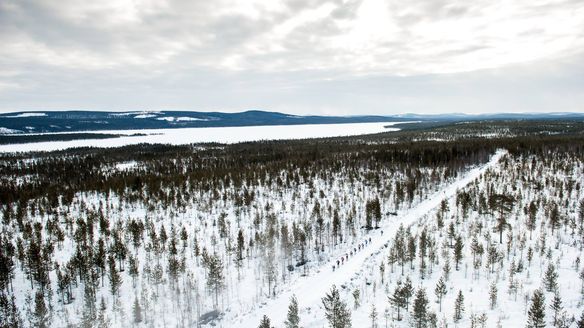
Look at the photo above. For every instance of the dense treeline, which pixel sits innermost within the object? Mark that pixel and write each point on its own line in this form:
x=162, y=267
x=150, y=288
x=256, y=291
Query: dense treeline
x=66, y=172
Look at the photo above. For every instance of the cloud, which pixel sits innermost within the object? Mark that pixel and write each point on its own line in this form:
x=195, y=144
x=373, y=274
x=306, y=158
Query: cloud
x=56, y=49
x=367, y=35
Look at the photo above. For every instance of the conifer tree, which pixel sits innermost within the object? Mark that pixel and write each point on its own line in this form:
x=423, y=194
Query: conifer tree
x=240, y=247
x=420, y=309
x=292, y=320
x=373, y=316
x=40, y=316
x=376, y=208
x=493, y=295
x=493, y=257
x=557, y=308
x=451, y=232
x=554, y=217
x=265, y=323
x=215, y=277
x=407, y=291
x=89, y=309
x=114, y=276
x=336, y=226
x=458, y=306
x=531, y=218
x=9, y=313
x=536, y=313
x=440, y=292
x=503, y=204
x=6, y=267
x=411, y=250
x=446, y=268
x=397, y=299
x=133, y=269
x=400, y=247
x=551, y=278
x=336, y=311
x=458, y=246
x=100, y=258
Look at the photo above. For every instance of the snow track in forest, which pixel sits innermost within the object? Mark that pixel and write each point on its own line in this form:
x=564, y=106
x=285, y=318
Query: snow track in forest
x=309, y=290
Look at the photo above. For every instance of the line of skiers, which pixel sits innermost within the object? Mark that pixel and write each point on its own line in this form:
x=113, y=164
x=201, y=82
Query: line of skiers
x=345, y=257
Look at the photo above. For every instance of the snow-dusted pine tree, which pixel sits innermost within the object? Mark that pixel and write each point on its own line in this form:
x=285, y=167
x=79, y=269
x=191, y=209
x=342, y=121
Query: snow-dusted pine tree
x=373, y=316
x=440, y=292
x=397, y=300
x=458, y=246
x=551, y=278
x=458, y=306
x=420, y=309
x=9, y=313
x=40, y=315
x=493, y=295
x=292, y=320
x=265, y=323
x=536, y=313
x=336, y=311
x=557, y=308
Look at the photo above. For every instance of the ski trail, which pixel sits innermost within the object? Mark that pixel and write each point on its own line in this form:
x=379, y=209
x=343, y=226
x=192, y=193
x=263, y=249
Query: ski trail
x=309, y=290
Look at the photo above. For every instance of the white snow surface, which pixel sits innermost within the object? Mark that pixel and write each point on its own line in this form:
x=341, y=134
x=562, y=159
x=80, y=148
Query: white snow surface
x=146, y=112
x=310, y=290
x=181, y=119
x=4, y=130
x=125, y=166
x=145, y=116
x=202, y=135
x=27, y=115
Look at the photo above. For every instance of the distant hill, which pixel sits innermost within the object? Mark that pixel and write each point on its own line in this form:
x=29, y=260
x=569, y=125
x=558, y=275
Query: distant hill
x=75, y=121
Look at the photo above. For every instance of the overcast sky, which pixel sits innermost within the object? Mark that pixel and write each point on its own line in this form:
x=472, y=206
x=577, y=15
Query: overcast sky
x=300, y=56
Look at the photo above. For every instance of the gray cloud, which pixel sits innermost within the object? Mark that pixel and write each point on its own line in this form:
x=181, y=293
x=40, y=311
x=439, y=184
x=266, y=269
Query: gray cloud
x=351, y=56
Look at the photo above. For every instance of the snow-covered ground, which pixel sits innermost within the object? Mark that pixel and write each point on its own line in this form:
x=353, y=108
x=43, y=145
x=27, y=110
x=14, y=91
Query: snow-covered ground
x=201, y=135
x=310, y=290
x=212, y=218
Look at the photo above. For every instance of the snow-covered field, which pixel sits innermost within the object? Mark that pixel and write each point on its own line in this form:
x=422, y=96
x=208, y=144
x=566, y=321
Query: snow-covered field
x=201, y=135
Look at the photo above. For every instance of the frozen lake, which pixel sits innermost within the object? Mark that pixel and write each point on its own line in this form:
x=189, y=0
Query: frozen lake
x=220, y=135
